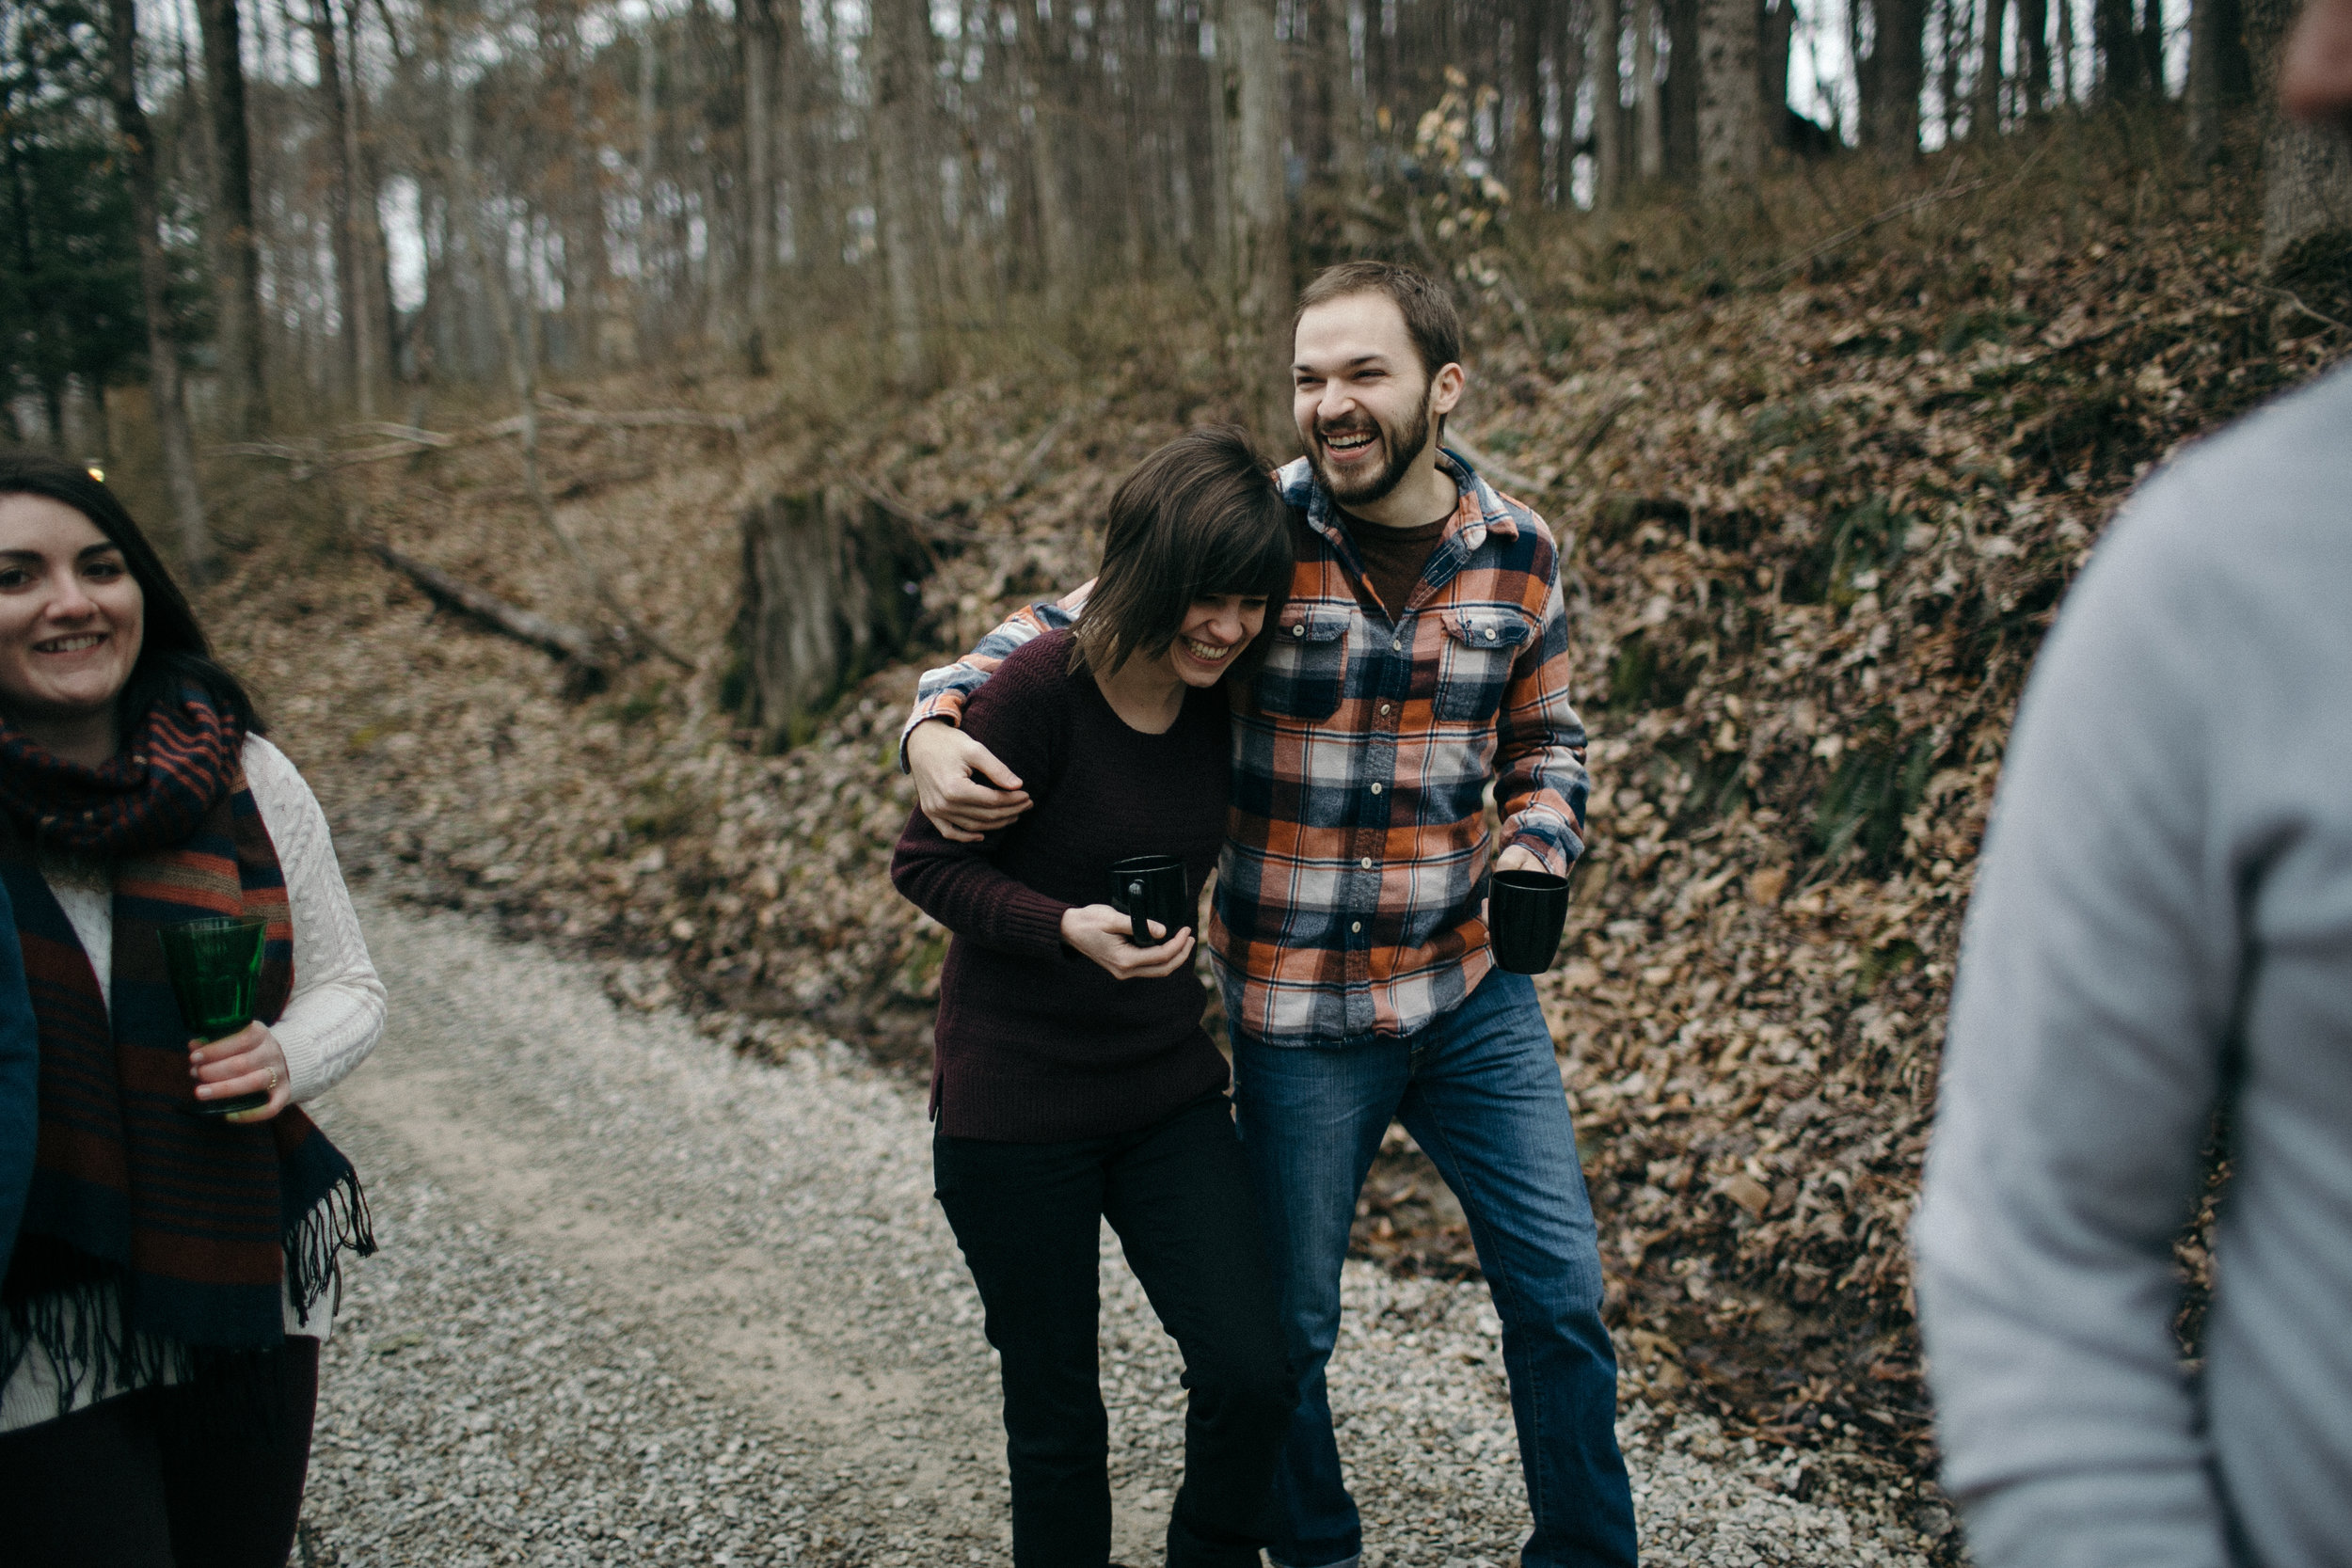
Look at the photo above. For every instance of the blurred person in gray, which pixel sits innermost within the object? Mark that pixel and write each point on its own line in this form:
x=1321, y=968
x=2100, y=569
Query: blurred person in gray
x=2162, y=927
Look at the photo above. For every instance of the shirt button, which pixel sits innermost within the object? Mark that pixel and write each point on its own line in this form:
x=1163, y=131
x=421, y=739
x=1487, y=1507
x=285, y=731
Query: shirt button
x=1356, y=926
x=1366, y=863
x=1491, y=634
x=1299, y=631
x=1376, y=790
x=1396, y=643
x=1384, y=710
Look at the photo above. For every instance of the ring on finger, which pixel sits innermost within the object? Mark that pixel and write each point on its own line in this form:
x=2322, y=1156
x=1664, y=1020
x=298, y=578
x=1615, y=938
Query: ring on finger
x=273, y=1080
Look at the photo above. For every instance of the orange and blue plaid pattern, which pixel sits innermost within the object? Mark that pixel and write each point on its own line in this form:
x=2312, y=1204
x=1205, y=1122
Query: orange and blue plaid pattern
x=1351, y=896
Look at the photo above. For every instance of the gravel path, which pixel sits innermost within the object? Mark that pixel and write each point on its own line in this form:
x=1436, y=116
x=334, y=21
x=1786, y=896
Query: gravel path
x=641, y=1301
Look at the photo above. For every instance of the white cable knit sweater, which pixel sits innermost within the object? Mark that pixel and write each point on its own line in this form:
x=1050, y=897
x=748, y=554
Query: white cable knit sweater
x=333, y=1020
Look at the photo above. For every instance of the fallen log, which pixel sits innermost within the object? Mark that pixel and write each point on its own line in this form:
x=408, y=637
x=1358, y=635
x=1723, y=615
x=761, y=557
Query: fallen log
x=569, y=643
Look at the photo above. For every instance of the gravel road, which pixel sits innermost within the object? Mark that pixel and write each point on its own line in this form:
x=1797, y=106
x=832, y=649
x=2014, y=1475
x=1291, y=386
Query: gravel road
x=643, y=1300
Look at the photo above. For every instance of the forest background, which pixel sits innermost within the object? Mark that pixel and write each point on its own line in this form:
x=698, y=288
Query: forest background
x=733, y=362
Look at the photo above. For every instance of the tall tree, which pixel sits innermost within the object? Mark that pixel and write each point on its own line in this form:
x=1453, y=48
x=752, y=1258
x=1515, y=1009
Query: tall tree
x=761, y=39
x=2220, y=77
x=235, y=242
x=1773, y=49
x=1683, y=75
x=1608, y=102
x=1256, y=200
x=167, y=399
x=1730, y=113
x=349, y=207
x=1891, y=72
x=1531, y=21
x=2033, y=53
x=902, y=69
x=1649, y=101
x=1984, y=115
x=2306, y=170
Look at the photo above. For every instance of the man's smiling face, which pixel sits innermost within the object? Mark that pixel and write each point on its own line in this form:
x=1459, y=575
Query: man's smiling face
x=1364, y=406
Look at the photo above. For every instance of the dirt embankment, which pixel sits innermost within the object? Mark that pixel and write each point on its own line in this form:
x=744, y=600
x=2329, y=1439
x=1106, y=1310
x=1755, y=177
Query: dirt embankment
x=1816, y=504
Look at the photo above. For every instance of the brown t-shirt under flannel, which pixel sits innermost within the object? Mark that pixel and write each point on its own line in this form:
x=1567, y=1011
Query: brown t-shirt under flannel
x=1394, y=558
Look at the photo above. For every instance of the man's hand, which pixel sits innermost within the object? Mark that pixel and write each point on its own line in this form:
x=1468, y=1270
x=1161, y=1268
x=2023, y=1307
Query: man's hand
x=963, y=806
x=1102, y=934
x=1518, y=857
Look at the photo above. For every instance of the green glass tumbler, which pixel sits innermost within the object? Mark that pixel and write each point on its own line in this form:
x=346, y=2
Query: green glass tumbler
x=215, y=969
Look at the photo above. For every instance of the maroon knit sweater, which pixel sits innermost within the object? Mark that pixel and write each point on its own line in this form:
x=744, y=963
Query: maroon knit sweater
x=1036, y=1043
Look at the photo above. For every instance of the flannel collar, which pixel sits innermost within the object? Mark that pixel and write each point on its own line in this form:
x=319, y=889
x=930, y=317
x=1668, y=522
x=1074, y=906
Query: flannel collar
x=1479, y=512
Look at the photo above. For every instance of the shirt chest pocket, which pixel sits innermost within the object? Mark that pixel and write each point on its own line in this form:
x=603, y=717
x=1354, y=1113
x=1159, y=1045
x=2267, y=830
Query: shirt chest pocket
x=1481, y=643
x=1306, y=662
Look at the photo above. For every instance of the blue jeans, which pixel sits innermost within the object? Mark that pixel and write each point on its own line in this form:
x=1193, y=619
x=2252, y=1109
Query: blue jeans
x=1479, y=1090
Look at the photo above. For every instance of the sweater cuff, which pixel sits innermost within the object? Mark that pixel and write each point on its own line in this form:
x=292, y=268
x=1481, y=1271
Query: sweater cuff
x=305, y=1060
x=1032, y=925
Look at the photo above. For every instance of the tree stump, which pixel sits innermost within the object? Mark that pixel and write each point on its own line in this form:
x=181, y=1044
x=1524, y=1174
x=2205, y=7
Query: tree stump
x=832, y=592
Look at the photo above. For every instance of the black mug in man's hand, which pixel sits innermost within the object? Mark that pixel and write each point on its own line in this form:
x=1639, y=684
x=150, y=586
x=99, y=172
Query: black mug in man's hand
x=1525, y=912
x=1149, y=888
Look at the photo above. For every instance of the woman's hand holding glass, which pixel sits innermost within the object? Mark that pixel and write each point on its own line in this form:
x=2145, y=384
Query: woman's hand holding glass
x=1103, y=934
x=247, y=1062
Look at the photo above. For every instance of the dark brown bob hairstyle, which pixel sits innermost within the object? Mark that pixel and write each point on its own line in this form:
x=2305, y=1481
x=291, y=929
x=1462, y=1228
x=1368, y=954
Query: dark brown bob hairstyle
x=1200, y=517
x=173, y=650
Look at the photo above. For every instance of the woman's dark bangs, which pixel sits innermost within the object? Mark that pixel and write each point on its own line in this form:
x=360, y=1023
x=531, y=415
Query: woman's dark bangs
x=1249, y=555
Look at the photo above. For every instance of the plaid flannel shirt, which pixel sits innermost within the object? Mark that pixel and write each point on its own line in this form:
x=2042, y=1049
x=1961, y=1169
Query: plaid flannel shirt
x=1350, y=900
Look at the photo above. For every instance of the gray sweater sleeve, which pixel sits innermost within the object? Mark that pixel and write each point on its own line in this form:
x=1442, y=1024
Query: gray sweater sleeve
x=2103, y=974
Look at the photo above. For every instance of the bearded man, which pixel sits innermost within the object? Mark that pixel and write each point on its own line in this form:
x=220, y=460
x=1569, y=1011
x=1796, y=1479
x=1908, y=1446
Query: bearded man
x=1423, y=655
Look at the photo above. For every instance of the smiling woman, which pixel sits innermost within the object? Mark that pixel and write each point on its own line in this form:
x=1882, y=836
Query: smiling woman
x=175, y=1267
x=1072, y=1082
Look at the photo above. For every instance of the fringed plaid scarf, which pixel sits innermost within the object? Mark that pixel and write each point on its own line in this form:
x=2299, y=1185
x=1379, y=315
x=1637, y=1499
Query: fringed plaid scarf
x=192, y=1226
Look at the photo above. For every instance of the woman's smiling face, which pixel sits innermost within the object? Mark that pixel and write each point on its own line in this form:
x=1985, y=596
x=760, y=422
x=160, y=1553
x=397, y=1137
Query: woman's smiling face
x=70, y=613
x=1218, y=627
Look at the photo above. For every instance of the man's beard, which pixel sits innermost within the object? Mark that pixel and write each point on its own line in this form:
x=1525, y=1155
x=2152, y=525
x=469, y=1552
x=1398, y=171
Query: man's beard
x=1404, y=447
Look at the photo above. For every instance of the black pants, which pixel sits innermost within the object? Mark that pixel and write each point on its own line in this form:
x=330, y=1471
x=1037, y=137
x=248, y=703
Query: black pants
x=196, y=1475
x=1028, y=1217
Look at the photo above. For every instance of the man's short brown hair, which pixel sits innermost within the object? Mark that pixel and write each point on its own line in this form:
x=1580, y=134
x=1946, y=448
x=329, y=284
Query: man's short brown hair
x=1428, y=309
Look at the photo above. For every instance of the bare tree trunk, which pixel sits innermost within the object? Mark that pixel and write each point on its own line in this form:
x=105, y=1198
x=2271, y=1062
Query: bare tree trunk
x=1608, y=106
x=350, y=241
x=2066, y=41
x=902, y=76
x=1041, y=81
x=756, y=24
x=1530, y=21
x=2306, y=170
x=1571, y=44
x=2115, y=33
x=1683, y=71
x=2220, y=77
x=1956, y=28
x=169, y=400
x=1893, y=77
x=1984, y=116
x=1731, y=129
x=1350, y=163
x=2033, y=53
x=236, y=250
x=1649, y=99
x=1777, y=27
x=1257, y=216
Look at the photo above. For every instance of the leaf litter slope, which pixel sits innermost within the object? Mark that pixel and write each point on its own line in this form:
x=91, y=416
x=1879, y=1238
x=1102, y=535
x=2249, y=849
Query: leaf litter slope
x=1816, y=510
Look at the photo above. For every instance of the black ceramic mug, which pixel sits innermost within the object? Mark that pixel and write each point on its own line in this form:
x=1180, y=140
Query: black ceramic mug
x=1525, y=913
x=1149, y=888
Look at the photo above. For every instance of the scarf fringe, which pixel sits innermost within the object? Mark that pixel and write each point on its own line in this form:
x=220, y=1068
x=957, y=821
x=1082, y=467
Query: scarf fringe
x=336, y=1224
x=80, y=1330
